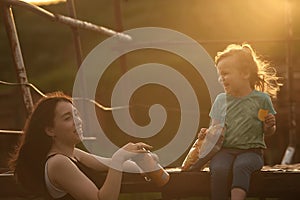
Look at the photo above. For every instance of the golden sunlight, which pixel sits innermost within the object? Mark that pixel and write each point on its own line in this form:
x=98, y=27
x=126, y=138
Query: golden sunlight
x=44, y=2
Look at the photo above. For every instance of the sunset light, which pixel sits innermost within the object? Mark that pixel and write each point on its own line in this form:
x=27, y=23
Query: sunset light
x=44, y=2
x=153, y=99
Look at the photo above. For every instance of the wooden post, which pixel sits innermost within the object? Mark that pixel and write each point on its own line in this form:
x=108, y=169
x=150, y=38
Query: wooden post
x=289, y=153
x=75, y=31
x=17, y=55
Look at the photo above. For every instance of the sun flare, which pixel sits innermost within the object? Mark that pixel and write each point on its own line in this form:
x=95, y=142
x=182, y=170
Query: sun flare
x=44, y=2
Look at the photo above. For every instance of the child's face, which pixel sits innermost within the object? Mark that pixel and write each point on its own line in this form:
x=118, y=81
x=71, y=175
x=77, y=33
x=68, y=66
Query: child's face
x=232, y=79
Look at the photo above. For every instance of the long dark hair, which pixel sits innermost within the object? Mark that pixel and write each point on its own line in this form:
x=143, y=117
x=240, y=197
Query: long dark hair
x=31, y=153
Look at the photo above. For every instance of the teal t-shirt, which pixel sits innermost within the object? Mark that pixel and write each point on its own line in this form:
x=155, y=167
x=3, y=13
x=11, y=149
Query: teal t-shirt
x=243, y=128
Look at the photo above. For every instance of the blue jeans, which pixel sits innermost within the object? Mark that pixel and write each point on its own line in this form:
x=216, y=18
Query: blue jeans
x=232, y=168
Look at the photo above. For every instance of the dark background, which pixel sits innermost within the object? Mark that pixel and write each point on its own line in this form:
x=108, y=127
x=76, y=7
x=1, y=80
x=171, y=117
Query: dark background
x=50, y=59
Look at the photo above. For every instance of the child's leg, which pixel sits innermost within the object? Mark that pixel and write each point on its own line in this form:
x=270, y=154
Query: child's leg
x=220, y=169
x=238, y=194
x=244, y=165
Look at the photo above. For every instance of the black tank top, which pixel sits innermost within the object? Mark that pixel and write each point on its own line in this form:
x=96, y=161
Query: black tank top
x=89, y=172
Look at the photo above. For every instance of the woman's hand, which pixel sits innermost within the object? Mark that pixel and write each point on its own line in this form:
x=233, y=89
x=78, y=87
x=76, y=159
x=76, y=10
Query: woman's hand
x=127, y=152
x=139, y=147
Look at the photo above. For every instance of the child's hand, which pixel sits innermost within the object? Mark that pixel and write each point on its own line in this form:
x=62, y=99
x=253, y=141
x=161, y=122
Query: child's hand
x=202, y=133
x=269, y=121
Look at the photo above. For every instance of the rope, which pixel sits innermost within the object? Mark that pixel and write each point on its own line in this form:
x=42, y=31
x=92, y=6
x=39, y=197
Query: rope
x=102, y=107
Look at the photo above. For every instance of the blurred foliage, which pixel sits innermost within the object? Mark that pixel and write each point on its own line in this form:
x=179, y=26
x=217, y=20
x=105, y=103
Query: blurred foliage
x=48, y=49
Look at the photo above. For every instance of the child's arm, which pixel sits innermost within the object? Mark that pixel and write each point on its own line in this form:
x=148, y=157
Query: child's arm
x=203, y=131
x=269, y=125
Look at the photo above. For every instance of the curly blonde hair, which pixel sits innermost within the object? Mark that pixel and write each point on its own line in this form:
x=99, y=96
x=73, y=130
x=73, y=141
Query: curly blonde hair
x=263, y=77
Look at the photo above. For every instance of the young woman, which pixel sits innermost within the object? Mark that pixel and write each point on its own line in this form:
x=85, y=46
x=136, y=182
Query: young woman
x=48, y=163
x=248, y=83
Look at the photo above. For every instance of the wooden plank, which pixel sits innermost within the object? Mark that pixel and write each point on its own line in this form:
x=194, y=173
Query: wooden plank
x=268, y=183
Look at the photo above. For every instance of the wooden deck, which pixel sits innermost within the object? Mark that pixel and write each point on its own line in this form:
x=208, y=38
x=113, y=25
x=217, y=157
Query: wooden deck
x=281, y=183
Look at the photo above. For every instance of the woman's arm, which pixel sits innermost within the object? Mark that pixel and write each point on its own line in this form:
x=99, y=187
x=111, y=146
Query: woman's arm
x=125, y=153
x=65, y=175
x=102, y=164
x=95, y=162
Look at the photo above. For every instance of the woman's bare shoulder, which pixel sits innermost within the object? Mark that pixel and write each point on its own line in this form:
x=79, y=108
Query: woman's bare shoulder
x=59, y=162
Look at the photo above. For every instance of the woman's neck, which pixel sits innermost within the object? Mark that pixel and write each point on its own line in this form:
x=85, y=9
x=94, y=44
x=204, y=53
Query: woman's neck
x=62, y=149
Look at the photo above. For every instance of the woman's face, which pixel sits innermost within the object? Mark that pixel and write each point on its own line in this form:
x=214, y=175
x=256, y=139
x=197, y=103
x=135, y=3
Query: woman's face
x=67, y=125
x=232, y=79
